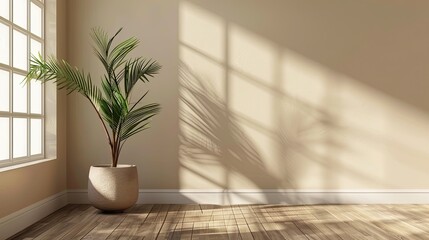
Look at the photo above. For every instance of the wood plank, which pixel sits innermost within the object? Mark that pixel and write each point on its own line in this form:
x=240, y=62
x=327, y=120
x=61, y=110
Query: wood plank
x=178, y=230
x=82, y=228
x=170, y=222
x=46, y=223
x=159, y=222
x=252, y=220
x=135, y=217
x=186, y=230
x=61, y=228
x=270, y=227
x=308, y=230
x=245, y=232
x=175, y=234
x=290, y=231
x=230, y=223
x=242, y=227
x=107, y=223
x=152, y=224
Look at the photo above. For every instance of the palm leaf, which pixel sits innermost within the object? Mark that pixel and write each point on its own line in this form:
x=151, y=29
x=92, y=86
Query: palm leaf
x=137, y=120
x=138, y=69
x=66, y=77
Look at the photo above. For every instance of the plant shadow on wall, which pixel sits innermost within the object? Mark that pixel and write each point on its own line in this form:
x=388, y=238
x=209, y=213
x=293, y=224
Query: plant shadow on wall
x=209, y=136
x=213, y=138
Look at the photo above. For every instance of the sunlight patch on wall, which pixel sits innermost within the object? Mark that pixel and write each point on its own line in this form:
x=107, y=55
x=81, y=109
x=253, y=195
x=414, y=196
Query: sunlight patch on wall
x=195, y=175
x=254, y=114
x=202, y=30
x=251, y=101
x=304, y=79
x=251, y=55
x=365, y=133
x=404, y=142
x=336, y=107
x=210, y=72
x=409, y=128
x=266, y=146
x=238, y=180
x=302, y=149
x=357, y=105
x=357, y=161
x=379, y=133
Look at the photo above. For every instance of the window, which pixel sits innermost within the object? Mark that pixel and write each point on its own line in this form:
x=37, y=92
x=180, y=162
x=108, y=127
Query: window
x=21, y=106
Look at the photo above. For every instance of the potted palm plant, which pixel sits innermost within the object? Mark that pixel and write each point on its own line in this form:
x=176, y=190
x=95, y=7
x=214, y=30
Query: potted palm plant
x=111, y=187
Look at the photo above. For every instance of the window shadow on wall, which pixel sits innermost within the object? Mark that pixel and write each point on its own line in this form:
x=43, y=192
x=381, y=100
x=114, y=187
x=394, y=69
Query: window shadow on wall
x=259, y=110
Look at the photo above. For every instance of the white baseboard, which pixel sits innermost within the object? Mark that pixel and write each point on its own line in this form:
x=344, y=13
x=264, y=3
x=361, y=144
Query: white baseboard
x=268, y=196
x=19, y=220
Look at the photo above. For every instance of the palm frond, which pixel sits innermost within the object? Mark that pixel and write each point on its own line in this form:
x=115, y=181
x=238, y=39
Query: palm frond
x=64, y=75
x=138, y=69
x=120, y=51
x=136, y=120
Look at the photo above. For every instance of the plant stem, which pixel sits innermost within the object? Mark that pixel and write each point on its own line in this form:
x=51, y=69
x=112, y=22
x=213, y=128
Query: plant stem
x=102, y=122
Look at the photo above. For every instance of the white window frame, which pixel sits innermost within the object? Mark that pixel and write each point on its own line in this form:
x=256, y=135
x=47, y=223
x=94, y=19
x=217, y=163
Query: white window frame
x=11, y=69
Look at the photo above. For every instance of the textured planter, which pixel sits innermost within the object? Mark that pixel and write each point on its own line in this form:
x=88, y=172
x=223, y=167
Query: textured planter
x=113, y=189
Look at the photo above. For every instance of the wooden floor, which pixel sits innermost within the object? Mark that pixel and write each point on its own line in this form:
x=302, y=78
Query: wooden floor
x=236, y=222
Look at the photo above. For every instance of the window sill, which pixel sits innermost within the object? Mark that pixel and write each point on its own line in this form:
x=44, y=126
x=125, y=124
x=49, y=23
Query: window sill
x=25, y=164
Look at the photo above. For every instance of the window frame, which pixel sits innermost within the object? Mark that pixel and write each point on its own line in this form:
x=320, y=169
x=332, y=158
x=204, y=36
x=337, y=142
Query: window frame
x=14, y=70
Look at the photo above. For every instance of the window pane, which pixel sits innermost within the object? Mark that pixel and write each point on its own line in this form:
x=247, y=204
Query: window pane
x=4, y=138
x=36, y=97
x=4, y=9
x=36, y=48
x=4, y=90
x=36, y=20
x=19, y=137
x=36, y=136
x=20, y=55
x=19, y=93
x=20, y=13
x=4, y=44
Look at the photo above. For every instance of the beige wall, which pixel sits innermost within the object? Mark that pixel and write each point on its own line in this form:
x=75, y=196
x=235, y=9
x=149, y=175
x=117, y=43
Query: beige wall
x=24, y=186
x=271, y=94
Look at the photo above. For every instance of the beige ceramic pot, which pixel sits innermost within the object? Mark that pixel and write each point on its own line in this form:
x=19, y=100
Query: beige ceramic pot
x=113, y=188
